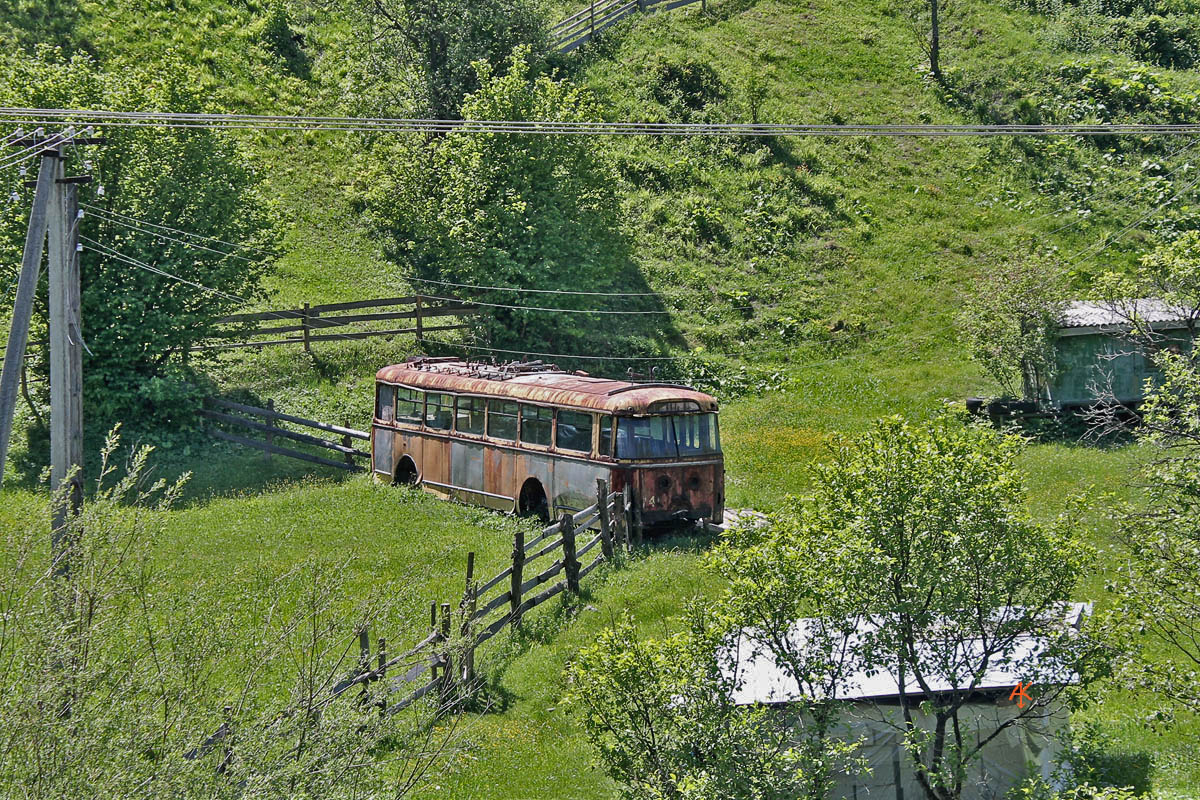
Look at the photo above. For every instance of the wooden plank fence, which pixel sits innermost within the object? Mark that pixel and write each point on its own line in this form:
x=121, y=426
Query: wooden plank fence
x=582, y=26
x=266, y=421
x=308, y=322
x=444, y=661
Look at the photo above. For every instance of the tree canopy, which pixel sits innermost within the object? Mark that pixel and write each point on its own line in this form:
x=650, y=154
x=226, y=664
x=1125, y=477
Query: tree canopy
x=137, y=323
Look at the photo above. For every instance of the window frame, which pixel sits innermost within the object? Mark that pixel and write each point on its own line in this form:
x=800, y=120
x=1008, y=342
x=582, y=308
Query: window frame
x=592, y=430
x=516, y=416
x=471, y=398
x=521, y=425
x=379, y=389
x=601, y=418
x=453, y=408
x=420, y=401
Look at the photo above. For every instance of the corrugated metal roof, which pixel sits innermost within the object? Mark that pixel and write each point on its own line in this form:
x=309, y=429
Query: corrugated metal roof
x=1090, y=314
x=543, y=384
x=759, y=679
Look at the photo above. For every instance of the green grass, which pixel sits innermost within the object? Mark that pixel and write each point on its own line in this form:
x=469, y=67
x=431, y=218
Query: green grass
x=855, y=311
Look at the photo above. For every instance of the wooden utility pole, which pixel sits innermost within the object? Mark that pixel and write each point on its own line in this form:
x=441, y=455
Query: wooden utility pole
x=31, y=264
x=66, y=354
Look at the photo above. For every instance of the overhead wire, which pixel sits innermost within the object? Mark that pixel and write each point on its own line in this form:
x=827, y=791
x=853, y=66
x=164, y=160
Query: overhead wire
x=134, y=220
x=49, y=116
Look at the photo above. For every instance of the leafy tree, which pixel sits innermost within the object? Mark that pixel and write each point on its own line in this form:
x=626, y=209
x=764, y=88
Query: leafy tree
x=28, y=23
x=661, y=717
x=520, y=210
x=137, y=323
x=430, y=47
x=1159, y=588
x=952, y=573
x=1009, y=324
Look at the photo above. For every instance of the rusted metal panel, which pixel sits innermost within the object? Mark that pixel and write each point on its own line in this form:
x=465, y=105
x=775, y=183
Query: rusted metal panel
x=548, y=386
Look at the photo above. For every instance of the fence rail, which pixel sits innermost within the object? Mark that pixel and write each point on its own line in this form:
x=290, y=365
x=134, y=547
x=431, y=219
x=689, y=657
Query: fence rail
x=310, y=320
x=269, y=425
x=444, y=661
x=582, y=26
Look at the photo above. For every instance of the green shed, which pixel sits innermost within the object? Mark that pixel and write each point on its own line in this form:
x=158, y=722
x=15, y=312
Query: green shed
x=1096, y=355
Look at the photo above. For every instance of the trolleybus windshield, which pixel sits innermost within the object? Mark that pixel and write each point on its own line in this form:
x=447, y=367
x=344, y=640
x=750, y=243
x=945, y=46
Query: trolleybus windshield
x=674, y=436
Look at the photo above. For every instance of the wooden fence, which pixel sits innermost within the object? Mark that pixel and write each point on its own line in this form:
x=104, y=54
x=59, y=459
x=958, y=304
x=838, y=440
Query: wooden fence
x=267, y=422
x=444, y=661
x=582, y=26
x=309, y=320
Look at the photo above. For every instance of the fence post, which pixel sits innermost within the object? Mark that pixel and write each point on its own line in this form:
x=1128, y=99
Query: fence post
x=514, y=592
x=270, y=424
x=448, y=667
x=593, y=36
x=305, y=326
x=570, y=561
x=470, y=599
x=420, y=324
x=364, y=660
x=433, y=626
x=347, y=441
x=227, y=757
x=381, y=671
x=606, y=539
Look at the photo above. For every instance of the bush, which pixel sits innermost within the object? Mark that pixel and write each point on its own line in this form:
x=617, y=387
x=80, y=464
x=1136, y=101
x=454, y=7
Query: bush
x=1166, y=41
x=686, y=87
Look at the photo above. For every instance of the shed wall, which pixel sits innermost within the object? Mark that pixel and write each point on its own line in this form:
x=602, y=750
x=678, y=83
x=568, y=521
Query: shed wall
x=1090, y=364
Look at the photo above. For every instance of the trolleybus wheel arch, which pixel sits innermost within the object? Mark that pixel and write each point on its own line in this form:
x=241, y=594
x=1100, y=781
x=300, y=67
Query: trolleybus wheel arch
x=532, y=502
x=406, y=472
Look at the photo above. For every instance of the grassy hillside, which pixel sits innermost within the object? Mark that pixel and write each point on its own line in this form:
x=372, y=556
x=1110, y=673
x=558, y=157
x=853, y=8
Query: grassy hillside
x=821, y=278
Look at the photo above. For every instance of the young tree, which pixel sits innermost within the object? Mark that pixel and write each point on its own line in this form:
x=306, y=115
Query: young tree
x=955, y=575
x=514, y=210
x=1158, y=617
x=1009, y=323
x=661, y=716
x=137, y=323
x=430, y=47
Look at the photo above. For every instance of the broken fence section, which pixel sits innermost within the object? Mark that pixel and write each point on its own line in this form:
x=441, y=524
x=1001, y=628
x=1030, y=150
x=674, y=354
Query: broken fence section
x=269, y=423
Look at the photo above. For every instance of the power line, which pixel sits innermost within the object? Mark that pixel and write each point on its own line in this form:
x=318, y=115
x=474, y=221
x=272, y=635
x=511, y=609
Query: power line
x=134, y=220
x=531, y=291
x=50, y=116
x=555, y=309
x=163, y=236
x=1109, y=241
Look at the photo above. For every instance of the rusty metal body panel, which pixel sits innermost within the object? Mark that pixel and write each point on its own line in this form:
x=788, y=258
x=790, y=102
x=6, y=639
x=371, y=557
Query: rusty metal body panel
x=492, y=472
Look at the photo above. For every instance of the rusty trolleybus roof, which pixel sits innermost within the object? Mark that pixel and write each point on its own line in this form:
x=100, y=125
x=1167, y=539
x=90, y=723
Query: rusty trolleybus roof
x=542, y=383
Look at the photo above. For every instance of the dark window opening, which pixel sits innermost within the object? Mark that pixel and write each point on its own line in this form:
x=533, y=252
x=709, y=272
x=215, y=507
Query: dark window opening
x=574, y=431
x=502, y=420
x=536, y=423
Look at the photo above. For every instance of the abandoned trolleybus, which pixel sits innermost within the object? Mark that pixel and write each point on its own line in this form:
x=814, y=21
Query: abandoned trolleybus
x=533, y=439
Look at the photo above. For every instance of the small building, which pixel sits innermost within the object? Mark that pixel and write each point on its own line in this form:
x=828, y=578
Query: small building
x=1096, y=356
x=874, y=716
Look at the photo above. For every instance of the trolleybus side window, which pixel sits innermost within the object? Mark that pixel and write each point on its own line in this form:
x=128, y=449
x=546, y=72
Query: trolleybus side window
x=606, y=435
x=470, y=415
x=574, y=431
x=439, y=411
x=535, y=424
x=385, y=403
x=502, y=420
x=409, y=405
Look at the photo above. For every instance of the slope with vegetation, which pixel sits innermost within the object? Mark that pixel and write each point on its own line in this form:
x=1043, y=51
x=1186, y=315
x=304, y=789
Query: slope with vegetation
x=813, y=283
